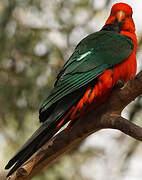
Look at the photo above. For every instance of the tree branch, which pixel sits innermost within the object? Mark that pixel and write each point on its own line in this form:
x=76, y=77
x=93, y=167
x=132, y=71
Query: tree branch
x=125, y=126
x=94, y=121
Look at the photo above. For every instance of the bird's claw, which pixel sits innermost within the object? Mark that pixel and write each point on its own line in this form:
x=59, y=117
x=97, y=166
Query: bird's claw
x=120, y=84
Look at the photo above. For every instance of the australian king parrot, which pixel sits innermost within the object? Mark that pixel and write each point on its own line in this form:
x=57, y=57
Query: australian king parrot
x=86, y=80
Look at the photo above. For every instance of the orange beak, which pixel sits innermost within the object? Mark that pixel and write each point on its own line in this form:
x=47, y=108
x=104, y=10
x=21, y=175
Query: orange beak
x=120, y=16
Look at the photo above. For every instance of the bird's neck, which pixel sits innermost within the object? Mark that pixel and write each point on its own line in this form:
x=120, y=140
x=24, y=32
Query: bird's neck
x=131, y=35
x=126, y=28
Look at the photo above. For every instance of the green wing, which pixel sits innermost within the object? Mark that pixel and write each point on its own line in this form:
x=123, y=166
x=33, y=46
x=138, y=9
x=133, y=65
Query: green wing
x=94, y=54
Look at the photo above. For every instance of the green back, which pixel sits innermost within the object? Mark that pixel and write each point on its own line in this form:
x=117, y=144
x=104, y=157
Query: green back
x=94, y=54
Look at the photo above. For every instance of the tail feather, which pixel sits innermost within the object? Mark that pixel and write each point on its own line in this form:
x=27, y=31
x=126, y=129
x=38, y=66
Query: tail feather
x=42, y=135
x=52, y=122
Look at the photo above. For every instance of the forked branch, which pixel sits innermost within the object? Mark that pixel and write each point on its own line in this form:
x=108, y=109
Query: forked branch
x=105, y=116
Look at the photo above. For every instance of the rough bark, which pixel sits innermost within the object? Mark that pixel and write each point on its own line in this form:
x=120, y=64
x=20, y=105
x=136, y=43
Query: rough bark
x=108, y=115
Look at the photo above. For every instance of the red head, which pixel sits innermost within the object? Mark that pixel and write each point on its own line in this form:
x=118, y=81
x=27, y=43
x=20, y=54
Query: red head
x=122, y=13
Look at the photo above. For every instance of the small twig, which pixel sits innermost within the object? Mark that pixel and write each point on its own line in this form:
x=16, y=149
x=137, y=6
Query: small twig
x=125, y=126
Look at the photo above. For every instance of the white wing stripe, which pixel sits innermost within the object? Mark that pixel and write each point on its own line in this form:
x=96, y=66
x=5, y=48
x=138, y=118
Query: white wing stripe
x=83, y=55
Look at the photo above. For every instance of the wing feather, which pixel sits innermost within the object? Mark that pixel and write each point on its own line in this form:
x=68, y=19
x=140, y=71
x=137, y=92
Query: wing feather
x=94, y=54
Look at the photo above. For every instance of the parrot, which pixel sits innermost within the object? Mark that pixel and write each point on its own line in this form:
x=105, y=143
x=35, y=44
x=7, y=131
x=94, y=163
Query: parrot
x=86, y=80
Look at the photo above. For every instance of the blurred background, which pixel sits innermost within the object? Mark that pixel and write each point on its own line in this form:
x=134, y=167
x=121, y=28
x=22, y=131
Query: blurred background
x=36, y=38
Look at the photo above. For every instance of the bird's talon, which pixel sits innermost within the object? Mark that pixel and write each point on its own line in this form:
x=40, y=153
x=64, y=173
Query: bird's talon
x=120, y=84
